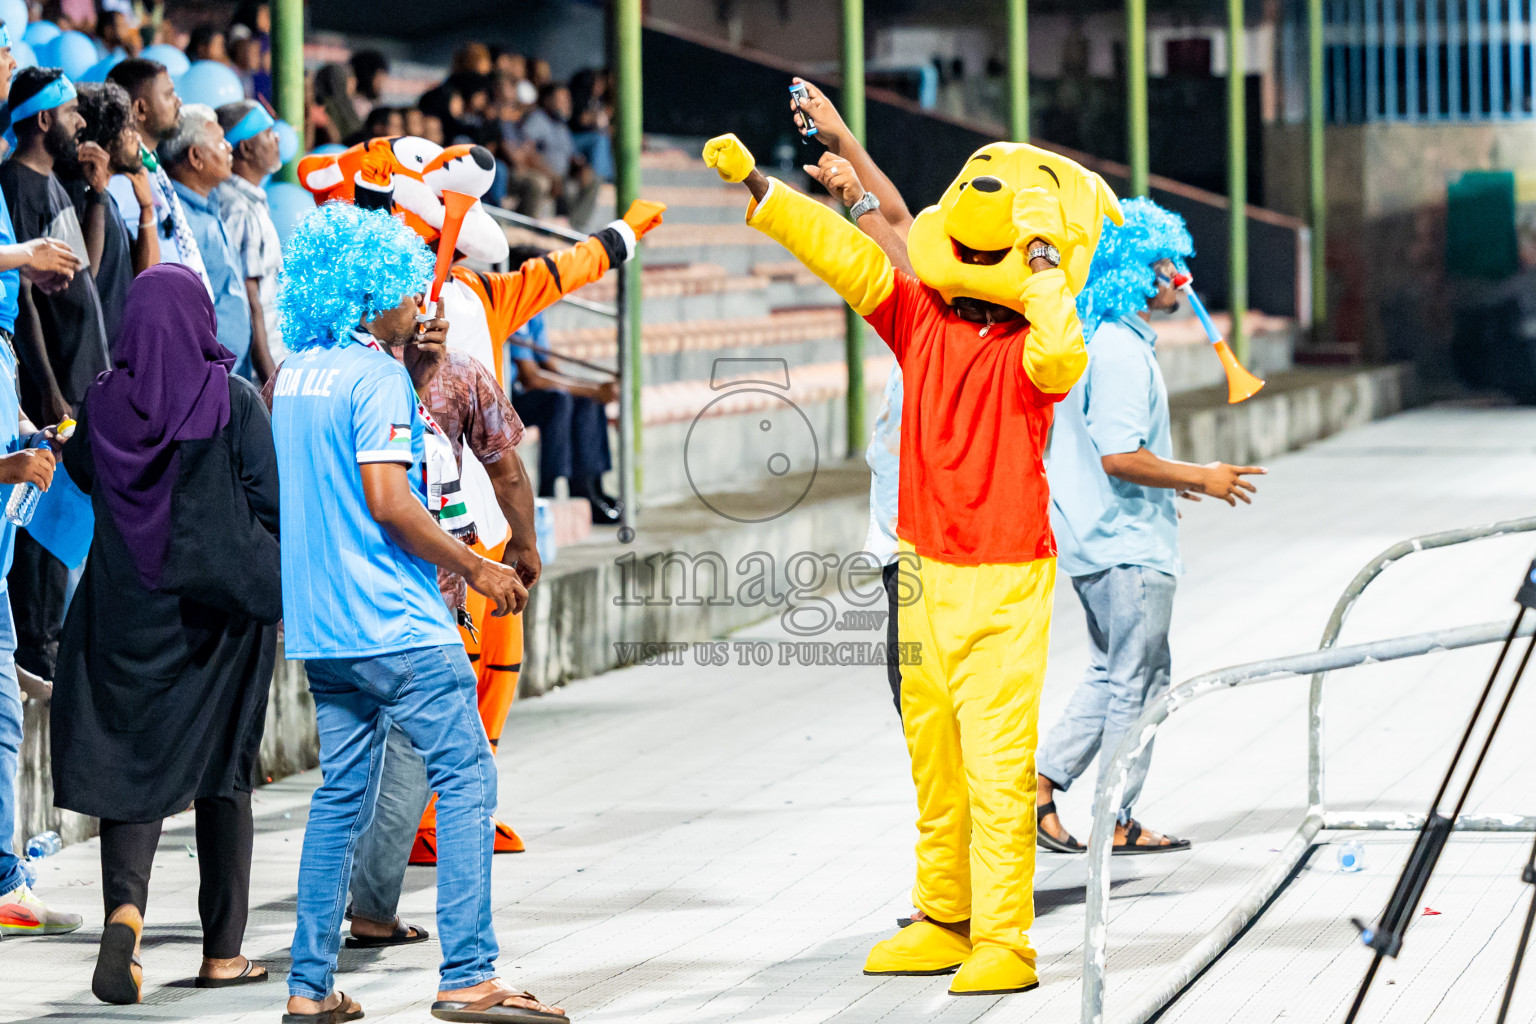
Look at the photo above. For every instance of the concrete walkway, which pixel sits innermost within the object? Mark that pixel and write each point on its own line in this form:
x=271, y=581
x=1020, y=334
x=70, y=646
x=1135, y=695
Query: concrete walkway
x=723, y=844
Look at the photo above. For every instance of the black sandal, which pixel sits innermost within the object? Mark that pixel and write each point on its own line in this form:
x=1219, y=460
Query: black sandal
x=245, y=977
x=403, y=935
x=1130, y=848
x=113, y=982
x=1049, y=842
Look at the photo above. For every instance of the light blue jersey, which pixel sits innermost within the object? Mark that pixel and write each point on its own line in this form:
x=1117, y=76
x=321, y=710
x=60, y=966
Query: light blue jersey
x=348, y=590
x=1120, y=404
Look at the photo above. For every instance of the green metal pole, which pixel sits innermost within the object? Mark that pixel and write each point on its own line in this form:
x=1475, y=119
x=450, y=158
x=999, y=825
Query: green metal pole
x=627, y=133
x=853, y=116
x=1137, y=147
x=1237, y=178
x=288, y=73
x=1018, y=70
x=1316, y=168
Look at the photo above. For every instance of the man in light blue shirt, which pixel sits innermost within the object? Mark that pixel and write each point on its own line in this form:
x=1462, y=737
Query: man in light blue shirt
x=198, y=158
x=1113, y=485
x=360, y=597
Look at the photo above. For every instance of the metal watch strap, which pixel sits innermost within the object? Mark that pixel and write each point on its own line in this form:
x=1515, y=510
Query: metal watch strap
x=867, y=202
x=1046, y=251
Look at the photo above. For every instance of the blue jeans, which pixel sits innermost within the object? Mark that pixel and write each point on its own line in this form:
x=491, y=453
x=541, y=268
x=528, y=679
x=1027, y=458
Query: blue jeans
x=383, y=852
x=10, y=747
x=430, y=693
x=1129, y=610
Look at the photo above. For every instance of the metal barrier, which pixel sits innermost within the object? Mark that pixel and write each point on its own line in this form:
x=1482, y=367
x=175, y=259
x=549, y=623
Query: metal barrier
x=626, y=366
x=1317, y=664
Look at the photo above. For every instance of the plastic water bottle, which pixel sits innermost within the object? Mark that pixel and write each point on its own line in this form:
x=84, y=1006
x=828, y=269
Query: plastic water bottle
x=45, y=845
x=29, y=874
x=24, y=497
x=544, y=530
x=1352, y=856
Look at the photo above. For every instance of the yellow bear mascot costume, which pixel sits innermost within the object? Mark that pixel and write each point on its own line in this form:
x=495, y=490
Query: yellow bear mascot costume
x=988, y=340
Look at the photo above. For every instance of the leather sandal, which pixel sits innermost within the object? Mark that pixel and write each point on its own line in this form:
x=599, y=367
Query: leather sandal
x=492, y=1009
x=1131, y=848
x=345, y=1010
x=246, y=977
x=1049, y=842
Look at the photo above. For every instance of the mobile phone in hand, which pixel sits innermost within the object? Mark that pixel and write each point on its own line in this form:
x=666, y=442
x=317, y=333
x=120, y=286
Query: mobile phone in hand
x=799, y=94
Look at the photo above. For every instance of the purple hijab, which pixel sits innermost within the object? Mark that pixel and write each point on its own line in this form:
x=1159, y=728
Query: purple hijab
x=169, y=383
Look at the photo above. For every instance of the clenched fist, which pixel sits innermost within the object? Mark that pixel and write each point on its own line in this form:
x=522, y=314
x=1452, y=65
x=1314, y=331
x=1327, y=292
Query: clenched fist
x=729, y=157
x=644, y=215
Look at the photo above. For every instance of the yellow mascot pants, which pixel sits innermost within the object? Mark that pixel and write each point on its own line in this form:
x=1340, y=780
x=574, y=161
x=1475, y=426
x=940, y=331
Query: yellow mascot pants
x=970, y=708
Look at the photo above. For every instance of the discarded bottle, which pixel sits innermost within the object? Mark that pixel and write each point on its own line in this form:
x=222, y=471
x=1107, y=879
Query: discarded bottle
x=24, y=497
x=1352, y=856
x=44, y=845
x=28, y=875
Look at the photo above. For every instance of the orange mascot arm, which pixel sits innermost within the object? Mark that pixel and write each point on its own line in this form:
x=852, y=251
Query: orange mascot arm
x=539, y=283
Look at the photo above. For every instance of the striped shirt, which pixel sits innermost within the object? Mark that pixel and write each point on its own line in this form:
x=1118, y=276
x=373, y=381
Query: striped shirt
x=348, y=590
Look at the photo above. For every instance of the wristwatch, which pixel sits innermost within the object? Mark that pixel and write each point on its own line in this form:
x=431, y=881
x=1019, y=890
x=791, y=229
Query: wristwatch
x=1046, y=251
x=869, y=201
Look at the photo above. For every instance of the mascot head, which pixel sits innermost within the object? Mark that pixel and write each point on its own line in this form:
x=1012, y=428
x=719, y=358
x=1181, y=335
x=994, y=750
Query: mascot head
x=421, y=171
x=971, y=244
x=1121, y=279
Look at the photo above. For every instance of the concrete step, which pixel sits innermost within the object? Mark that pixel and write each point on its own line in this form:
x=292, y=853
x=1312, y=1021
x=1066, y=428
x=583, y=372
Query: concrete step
x=700, y=204
x=599, y=343
x=735, y=247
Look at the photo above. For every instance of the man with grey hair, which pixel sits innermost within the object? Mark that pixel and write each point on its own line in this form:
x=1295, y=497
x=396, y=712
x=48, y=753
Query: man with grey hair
x=198, y=159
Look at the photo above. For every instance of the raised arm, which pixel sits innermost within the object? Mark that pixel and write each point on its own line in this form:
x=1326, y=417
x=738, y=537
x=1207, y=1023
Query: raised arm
x=830, y=247
x=1054, y=353
x=840, y=142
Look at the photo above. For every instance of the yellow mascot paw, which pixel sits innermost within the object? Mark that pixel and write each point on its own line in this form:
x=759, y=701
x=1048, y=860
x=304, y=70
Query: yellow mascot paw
x=994, y=971
x=1038, y=214
x=922, y=947
x=729, y=157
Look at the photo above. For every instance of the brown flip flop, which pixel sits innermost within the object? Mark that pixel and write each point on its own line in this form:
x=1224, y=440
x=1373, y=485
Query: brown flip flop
x=492, y=1009
x=347, y=1009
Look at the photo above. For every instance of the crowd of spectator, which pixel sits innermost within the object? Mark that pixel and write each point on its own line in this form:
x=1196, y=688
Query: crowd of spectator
x=550, y=138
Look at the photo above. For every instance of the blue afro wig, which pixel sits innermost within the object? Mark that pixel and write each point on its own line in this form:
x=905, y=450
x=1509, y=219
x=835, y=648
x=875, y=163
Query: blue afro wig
x=344, y=265
x=1121, y=279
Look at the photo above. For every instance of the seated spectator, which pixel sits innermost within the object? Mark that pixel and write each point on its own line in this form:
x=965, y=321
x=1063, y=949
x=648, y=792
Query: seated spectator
x=431, y=129
x=507, y=62
x=590, y=120
x=528, y=183
x=207, y=43
x=539, y=73
x=547, y=127
x=371, y=69
x=198, y=161
x=383, y=123
x=108, y=145
x=160, y=701
x=118, y=31
x=155, y=107
x=335, y=89
x=471, y=58
x=571, y=414
x=245, y=56
x=247, y=218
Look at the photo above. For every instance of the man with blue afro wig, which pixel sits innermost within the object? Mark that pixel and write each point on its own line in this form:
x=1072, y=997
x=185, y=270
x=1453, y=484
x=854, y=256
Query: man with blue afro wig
x=361, y=603
x=1113, y=483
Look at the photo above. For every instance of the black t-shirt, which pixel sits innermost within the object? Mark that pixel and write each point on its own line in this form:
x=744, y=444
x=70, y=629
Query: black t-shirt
x=116, y=271
x=74, y=335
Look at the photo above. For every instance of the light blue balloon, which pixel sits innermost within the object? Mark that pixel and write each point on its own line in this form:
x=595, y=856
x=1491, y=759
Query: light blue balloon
x=327, y=149
x=47, y=52
x=98, y=72
x=288, y=203
x=174, y=60
x=25, y=56
x=287, y=141
x=40, y=32
x=208, y=81
x=14, y=14
x=75, y=53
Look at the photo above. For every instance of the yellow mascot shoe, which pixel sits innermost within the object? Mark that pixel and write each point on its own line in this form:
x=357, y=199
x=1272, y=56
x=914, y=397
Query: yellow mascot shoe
x=994, y=971
x=921, y=948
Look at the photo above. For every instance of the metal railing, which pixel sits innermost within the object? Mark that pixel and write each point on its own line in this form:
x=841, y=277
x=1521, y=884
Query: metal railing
x=1316, y=664
x=619, y=312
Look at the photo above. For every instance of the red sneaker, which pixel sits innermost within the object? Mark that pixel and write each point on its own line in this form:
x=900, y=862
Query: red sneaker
x=22, y=913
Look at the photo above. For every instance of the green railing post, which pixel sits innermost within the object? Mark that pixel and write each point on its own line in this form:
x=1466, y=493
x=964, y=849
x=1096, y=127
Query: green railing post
x=1136, y=146
x=1237, y=178
x=1018, y=70
x=627, y=135
x=288, y=73
x=853, y=116
x=1318, y=186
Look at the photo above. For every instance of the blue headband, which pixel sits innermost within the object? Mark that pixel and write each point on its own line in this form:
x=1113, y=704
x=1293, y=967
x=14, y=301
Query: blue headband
x=55, y=94
x=255, y=121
